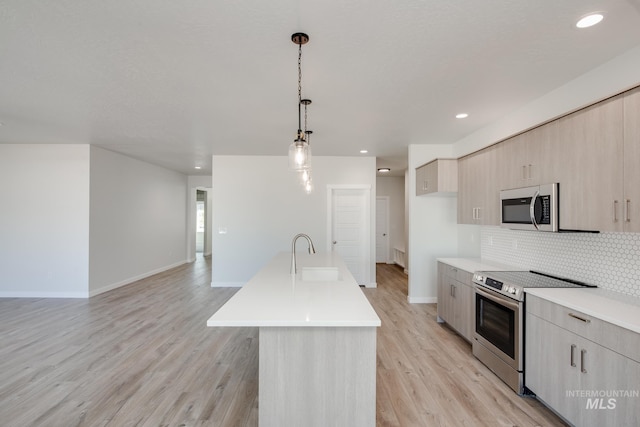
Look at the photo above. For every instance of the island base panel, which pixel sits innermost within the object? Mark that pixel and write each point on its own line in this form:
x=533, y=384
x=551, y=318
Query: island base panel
x=317, y=376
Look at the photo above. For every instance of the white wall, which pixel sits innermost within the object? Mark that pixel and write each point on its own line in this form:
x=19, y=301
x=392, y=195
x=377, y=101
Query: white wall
x=208, y=222
x=44, y=220
x=260, y=205
x=433, y=228
x=393, y=187
x=613, y=77
x=137, y=220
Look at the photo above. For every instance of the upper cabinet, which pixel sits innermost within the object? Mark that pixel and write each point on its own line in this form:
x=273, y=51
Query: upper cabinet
x=590, y=174
x=631, y=200
x=593, y=153
x=440, y=175
x=529, y=158
x=479, y=189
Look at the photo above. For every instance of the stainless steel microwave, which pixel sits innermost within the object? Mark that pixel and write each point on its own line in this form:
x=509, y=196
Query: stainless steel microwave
x=530, y=208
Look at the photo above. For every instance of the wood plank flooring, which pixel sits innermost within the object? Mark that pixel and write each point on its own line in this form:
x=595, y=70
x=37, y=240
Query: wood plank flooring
x=141, y=355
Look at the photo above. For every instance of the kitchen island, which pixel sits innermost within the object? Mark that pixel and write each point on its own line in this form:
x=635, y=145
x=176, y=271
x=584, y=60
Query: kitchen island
x=317, y=350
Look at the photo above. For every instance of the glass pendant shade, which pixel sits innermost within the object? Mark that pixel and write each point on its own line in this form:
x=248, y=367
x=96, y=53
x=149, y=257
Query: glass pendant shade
x=308, y=186
x=305, y=175
x=299, y=155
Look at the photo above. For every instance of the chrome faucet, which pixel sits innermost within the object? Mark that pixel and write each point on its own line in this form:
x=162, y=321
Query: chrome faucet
x=312, y=250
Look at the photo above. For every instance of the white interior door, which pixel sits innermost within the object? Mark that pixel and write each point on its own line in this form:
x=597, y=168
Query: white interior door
x=350, y=230
x=382, y=229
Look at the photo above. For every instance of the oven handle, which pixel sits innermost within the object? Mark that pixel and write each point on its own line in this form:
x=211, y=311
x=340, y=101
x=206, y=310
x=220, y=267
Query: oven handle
x=498, y=300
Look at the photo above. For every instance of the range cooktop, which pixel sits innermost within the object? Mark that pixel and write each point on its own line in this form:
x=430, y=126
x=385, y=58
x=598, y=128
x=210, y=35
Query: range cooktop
x=513, y=283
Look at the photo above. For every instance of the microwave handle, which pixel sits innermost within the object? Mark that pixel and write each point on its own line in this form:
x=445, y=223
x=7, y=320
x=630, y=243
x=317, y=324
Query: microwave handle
x=532, y=208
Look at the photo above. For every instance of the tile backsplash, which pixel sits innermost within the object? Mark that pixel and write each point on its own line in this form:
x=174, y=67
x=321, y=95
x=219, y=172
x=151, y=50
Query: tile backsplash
x=608, y=260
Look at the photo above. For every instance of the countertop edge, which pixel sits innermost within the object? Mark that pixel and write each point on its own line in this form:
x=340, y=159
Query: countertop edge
x=472, y=265
x=591, y=303
x=284, y=324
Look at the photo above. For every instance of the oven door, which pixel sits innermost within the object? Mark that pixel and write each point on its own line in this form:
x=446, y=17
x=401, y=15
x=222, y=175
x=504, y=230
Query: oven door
x=498, y=326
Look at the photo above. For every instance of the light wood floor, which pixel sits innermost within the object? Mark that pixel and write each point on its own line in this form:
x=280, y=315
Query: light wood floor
x=142, y=355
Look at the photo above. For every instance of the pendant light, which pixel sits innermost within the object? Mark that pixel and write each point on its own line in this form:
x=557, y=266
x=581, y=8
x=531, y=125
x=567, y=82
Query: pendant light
x=305, y=175
x=299, y=151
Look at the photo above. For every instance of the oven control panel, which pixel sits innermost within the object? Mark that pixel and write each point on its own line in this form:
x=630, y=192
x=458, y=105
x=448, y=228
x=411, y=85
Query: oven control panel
x=501, y=287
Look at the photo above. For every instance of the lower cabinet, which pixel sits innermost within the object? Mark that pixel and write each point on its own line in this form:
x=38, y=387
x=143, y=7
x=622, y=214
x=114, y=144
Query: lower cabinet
x=455, y=295
x=584, y=382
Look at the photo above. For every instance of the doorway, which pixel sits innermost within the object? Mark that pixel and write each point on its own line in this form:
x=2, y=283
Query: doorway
x=382, y=229
x=201, y=216
x=349, y=219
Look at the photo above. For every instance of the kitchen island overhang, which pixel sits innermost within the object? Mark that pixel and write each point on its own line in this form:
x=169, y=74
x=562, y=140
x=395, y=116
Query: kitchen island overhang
x=317, y=349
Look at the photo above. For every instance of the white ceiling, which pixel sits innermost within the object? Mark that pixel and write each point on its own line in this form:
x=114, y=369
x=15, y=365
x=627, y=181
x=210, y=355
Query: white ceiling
x=173, y=82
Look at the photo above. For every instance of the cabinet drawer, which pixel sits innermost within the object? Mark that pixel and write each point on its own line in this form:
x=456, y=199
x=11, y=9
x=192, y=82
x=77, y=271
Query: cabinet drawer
x=620, y=340
x=458, y=274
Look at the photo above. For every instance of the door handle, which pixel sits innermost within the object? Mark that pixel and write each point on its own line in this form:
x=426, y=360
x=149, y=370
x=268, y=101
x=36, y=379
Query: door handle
x=335, y=242
x=582, y=361
x=615, y=211
x=384, y=234
x=573, y=361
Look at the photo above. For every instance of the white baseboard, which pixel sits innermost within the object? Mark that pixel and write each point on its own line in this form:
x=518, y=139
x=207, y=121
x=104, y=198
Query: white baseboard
x=44, y=295
x=134, y=279
x=371, y=285
x=227, y=284
x=422, y=300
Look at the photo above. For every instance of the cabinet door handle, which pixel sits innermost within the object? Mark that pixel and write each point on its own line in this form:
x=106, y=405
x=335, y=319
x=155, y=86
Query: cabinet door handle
x=575, y=316
x=573, y=361
x=524, y=172
x=530, y=166
x=627, y=210
x=582, y=361
x=615, y=211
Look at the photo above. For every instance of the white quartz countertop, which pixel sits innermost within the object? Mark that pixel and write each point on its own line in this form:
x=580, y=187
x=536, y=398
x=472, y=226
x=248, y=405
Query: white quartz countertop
x=274, y=297
x=613, y=307
x=478, y=264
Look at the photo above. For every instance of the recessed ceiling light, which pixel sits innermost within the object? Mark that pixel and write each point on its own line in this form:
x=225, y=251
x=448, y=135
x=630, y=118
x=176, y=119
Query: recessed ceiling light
x=198, y=167
x=462, y=116
x=384, y=170
x=364, y=151
x=589, y=20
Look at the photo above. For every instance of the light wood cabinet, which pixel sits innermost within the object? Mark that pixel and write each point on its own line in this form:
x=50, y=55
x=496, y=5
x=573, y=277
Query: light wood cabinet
x=631, y=200
x=440, y=175
x=591, y=176
x=479, y=188
x=573, y=373
x=455, y=294
x=529, y=158
x=593, y=154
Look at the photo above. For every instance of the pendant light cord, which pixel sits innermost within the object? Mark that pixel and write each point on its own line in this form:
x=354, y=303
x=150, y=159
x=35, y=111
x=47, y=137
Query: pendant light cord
x=299, y=87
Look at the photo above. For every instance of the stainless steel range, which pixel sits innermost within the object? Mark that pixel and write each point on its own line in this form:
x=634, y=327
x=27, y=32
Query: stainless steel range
x=499, y=312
